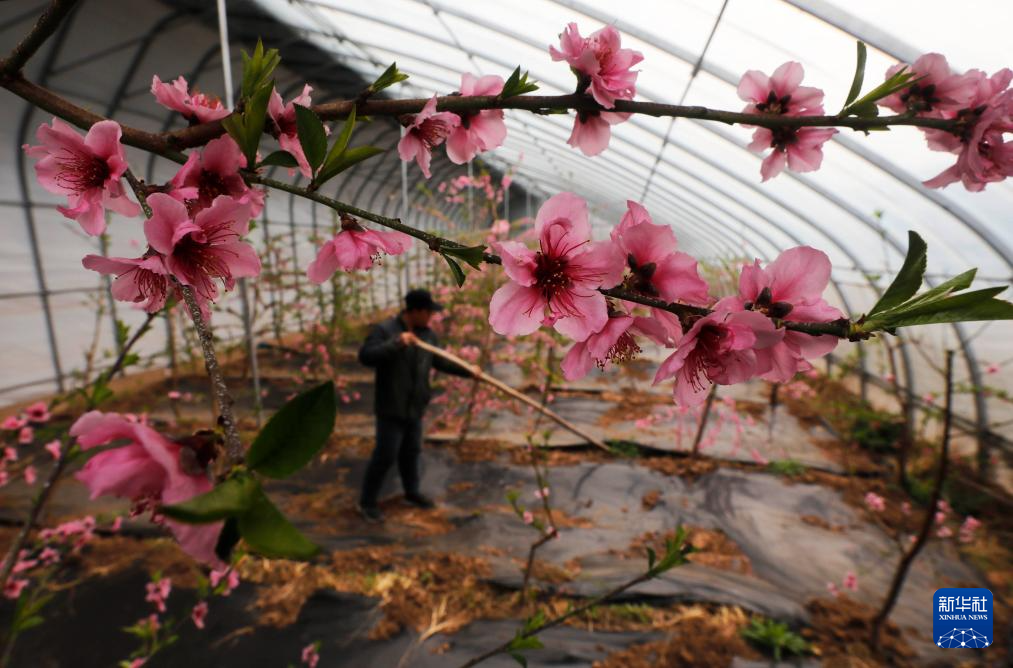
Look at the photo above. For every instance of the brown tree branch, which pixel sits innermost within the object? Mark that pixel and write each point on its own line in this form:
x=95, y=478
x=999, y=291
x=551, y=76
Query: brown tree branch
x=233, y=444
x=170, y=143
x=930, y=513
x=43, y=29
x=839, y=328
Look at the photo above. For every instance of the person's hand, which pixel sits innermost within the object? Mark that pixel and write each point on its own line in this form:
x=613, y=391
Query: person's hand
x=408, y=339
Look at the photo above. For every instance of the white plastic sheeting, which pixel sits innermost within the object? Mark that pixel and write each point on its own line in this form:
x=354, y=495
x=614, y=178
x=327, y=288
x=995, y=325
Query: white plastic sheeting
x=695, y=176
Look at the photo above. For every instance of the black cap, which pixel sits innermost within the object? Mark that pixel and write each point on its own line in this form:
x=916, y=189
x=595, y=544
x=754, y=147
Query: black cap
x=420, y=299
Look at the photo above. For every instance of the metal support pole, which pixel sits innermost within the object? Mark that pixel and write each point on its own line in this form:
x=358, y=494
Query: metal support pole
x=244, y=292
x=404, y=211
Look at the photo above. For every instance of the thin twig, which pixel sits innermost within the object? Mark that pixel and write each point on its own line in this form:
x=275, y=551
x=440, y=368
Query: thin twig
x=702, y=425
x=233, y=444
x=556, y=621
x=839, y=328
x=930, y=513
x=43, y=29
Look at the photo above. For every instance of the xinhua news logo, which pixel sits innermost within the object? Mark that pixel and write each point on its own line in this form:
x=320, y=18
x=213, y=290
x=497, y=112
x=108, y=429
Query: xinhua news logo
x=962, y=618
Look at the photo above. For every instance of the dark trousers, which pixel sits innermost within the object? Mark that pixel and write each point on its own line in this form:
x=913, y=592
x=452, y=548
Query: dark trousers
x=399, y=440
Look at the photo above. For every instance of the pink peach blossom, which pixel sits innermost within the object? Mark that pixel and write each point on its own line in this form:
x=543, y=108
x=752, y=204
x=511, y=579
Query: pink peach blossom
x=782, y=95
x=592, y=130
x=197, y=107
x=355, y=247
x=30, y=475
x=875, y=502
x=13, y=587
x=850, y=581
x=10, y=454
x=613, y=343
x=528, y=517
x=199, y=614
x=54, y=448
x=86, y=170
x=309, y=656
x=228, y=575
x=719, y=348
x=26, y=435
x=983, y=154
x=207, y=247
x=600, y=62
x=800, y=148
x=140, y=280
x=147, y=469
x=968, y=528
x=38, y=412
x=561, y=278
x=423, y=132
x=478, y=131
x=657, y=268
x=214, y=171
x=790, y=288
x=157, y=592
x=285, y=129
x=937, y=89
x=13, y=422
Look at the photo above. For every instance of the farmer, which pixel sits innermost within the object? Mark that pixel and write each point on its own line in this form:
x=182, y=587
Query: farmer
x=402, y=393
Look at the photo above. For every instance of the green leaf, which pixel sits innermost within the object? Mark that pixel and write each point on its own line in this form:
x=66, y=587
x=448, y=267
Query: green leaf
x=122, y=333
x=312, y=136
x=866, y=105
x=908, y=280
x=856, y=82
x=389, y=77
x=955, y=284
x=270, y=534
x=455, y=269
x=229, y=499
x=519, y=658
x=517, y=84
x=676, y=551
x=532, y=623
x=473, y=255
x=279, y=159
x=349, y=158
x=294, y=435
x=258, y=69
x=652, y=558
x=248, y=127
x=967, y=307
x=341, y=143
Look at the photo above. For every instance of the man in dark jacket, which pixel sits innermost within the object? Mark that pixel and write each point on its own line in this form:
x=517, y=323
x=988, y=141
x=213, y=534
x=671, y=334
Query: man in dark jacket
x=402, y=393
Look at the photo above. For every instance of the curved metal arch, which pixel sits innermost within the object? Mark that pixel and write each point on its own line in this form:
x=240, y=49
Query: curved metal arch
x=56, y=44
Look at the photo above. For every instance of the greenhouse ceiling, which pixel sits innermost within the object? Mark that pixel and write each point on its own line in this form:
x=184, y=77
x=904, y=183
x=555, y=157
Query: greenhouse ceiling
x=696, y=176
